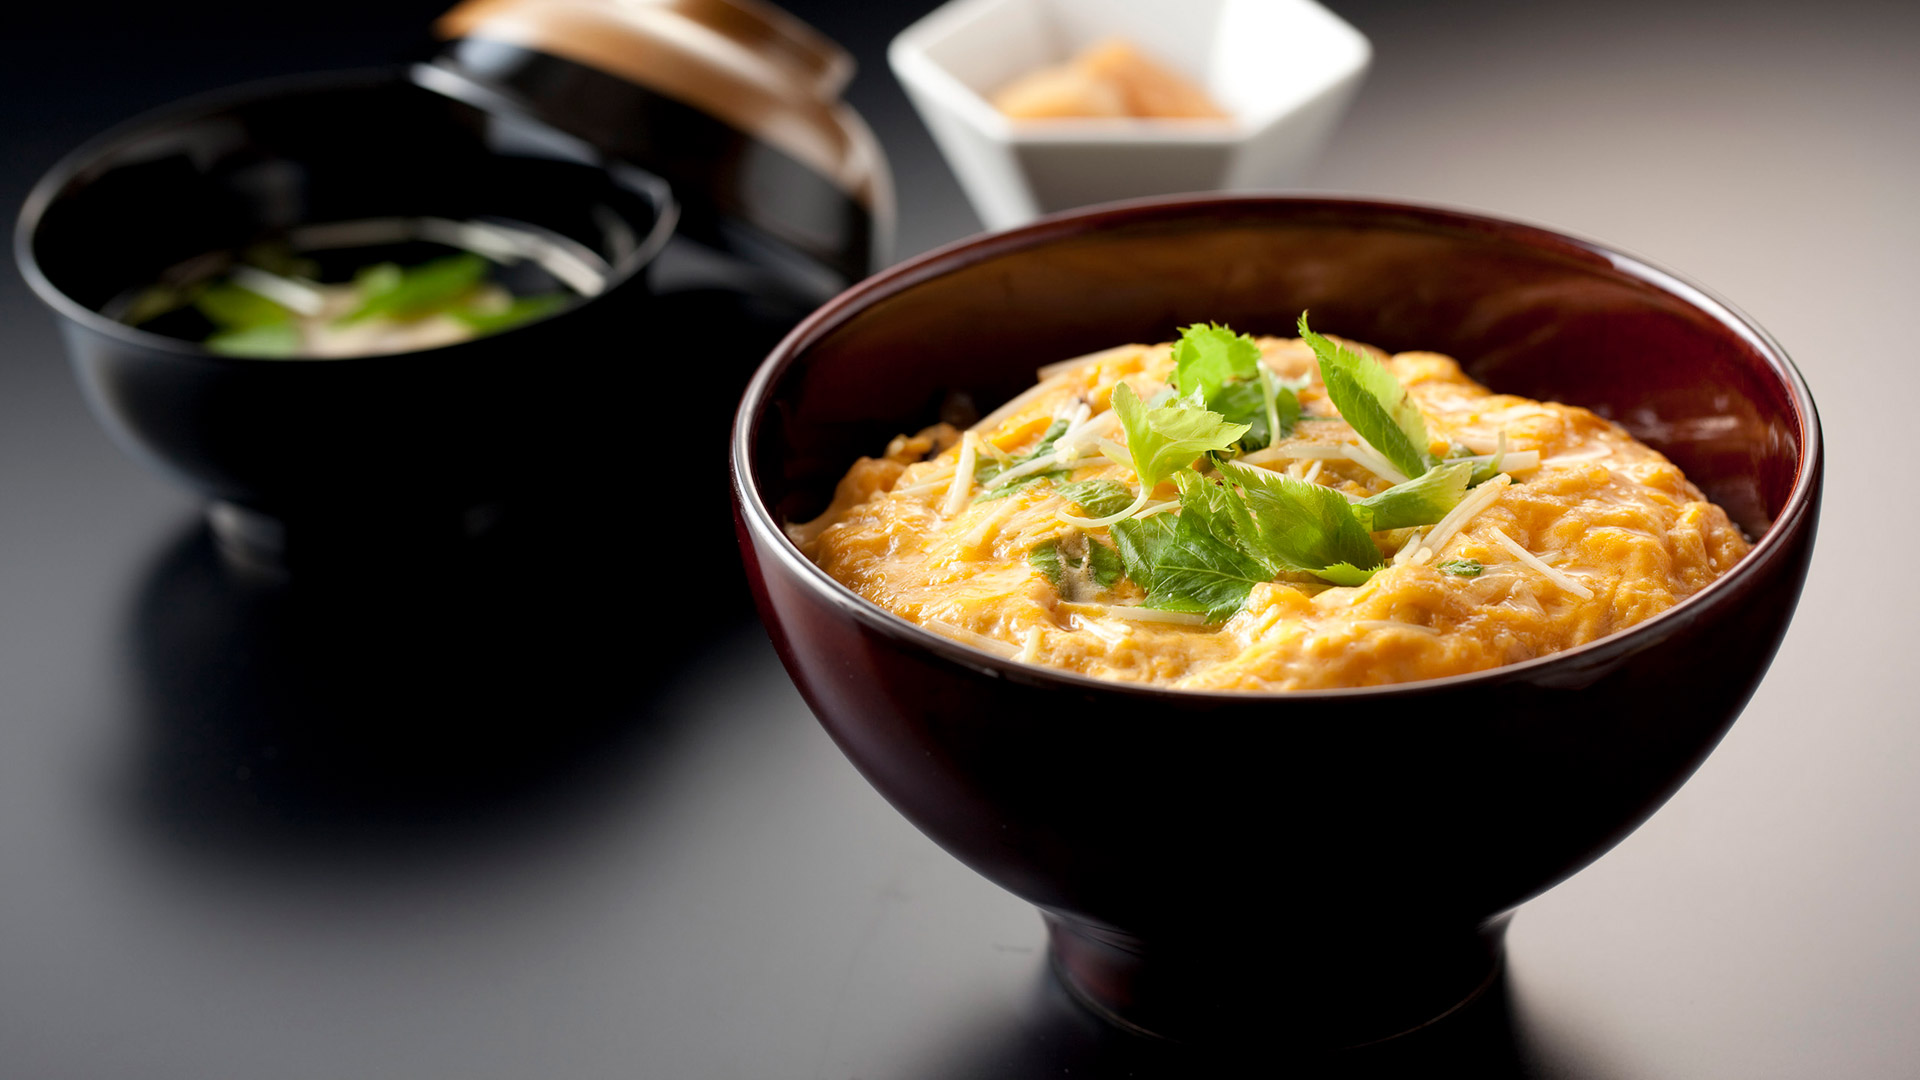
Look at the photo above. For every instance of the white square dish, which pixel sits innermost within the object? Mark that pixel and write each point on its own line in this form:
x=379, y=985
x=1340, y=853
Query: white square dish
x=1283, y=69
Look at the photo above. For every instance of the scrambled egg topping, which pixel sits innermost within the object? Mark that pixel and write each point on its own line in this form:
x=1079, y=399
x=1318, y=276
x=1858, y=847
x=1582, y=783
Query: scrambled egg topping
x=1594, y=533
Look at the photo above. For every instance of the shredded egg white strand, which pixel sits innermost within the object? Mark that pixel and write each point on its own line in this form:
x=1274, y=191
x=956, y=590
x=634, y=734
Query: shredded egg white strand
x=1037, y=465
x=1103, y=629
x=1368, y=458
x=933, y=484
x=1076, y=418
x=1030, y=646
x=1077, y=439
x=1514, y=461
x=1557, y=577
x=1465, y=511
x=978, y=536
x=962, y=476
x=1408, y=551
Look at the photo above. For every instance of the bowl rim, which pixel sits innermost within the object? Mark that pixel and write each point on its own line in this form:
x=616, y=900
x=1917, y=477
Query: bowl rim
x=968, y=251
x=89, y=154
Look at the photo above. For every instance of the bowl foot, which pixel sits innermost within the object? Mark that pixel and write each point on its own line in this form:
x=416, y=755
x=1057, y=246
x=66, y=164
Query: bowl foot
x=1319, y=994
x=257, y=541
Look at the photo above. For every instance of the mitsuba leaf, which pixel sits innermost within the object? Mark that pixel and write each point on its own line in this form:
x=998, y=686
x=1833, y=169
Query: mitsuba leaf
x=1297, y=526
x=1286, y=404
x=231, y=307
x=1201, y=574
x=1238, y=529
x=1421, y=501
x=1104, y=562
x=269, y=341
x=1246, y=403
x=1097, y=498
x=1221, y=370
x=386, y=290
x=1373, y=402
x=1077, y=566
x=1046, y=559
x=1207, y=357
x=1160, y=440
x=1143, y=543
x=1345, y=574
x=378, y=280
x=1184, y=566
x=1210, y=504
x=1243, y=403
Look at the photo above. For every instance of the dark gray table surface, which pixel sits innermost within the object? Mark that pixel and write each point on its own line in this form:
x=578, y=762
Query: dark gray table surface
x=242, y=839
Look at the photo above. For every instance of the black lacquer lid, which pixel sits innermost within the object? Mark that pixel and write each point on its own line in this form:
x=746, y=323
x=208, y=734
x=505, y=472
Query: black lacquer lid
x=735, y=103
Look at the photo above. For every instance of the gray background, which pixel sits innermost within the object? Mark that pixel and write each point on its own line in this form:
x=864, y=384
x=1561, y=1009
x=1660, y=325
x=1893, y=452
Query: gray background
x=704, y=888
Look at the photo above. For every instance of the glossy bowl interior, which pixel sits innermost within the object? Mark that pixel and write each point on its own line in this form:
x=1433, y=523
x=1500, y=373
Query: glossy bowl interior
x=1334, y=864
x=362, y=442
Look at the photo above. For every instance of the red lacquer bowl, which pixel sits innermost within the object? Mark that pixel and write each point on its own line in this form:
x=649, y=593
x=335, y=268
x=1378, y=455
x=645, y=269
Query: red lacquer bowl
x=1333, y=865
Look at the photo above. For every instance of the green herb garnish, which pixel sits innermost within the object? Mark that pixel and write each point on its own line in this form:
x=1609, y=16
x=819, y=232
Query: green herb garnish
x=1239, y=526
x=1206, y=358
x=389, y=291
x=1223, y=372
x=1046, y=559
x=1077, y=566
x=1184, y=566
x=1304, y=527
x=1169, y=437
x=231, y=307
x=378, y=280
x=1236, y=530
x=1099, y=498
x=268, y=341
x=1248, y=403
x=1460, y=567
x=1373, y=403
x=1423, y=500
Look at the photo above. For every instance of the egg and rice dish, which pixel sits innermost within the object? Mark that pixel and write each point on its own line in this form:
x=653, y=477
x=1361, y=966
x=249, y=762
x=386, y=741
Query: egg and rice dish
x=1225, y=513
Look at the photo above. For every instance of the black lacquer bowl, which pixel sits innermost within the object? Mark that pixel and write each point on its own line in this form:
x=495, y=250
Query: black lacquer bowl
x=1331, y=866
x=367, y=451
